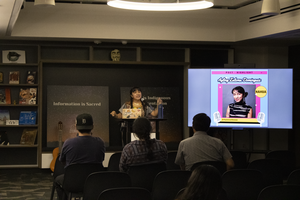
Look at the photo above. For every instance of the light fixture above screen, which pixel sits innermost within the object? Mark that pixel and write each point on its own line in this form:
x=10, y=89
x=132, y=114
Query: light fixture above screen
x=161, y=5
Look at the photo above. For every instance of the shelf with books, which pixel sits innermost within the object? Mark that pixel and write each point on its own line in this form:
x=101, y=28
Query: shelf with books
x=22, y=81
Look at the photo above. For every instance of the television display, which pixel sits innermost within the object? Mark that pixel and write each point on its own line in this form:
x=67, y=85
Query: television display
x=242, y=98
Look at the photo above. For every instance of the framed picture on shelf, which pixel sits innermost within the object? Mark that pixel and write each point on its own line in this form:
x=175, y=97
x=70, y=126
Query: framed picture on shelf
x=14, y=77
x=4, y=115
x=27, y=118
x=30, y=79
x=28, y=136
x=27, y=96
x=13, y=56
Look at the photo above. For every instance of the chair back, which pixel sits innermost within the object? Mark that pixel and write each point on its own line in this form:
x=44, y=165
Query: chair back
x=129, y=193
x=271, y=170
x=97, y=182
x=143, y=175
x=294, y=177
x=171, y=161
x=114, y=160
x=242, y=184
x=222, y=195
x=58, y=170
x=288, y=159
x=280, y=192
x=76, y=174
x=168, y=183
x=220, y=165
x=240, y=159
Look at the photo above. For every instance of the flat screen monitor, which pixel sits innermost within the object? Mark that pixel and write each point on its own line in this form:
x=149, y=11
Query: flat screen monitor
x=242, y=98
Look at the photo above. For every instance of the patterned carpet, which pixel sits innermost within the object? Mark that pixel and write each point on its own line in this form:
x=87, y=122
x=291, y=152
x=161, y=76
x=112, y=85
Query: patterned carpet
x=26, y=184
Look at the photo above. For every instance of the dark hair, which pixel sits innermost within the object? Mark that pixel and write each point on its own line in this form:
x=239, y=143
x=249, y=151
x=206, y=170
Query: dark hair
x=132, y=90
x=241, y=90
x=205, y=183
x=142, y=128
x=201, y=122
x=85, y=130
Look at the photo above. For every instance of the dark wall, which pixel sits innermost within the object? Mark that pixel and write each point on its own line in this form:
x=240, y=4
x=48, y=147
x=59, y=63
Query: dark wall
x=294, y=62
x=113, y=76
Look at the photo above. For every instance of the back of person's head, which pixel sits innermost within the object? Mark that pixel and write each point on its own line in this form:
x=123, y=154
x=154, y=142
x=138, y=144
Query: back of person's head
x=205, y=183
x=201, y=122
x=84, y=123
x=142, y=128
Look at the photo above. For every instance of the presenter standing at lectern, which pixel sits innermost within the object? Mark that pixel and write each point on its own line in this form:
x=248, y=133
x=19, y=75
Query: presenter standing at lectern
x=136, y=102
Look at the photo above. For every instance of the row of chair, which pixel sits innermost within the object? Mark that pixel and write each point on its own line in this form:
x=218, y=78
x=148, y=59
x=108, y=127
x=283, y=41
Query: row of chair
x=247, y=184
x=90, y=180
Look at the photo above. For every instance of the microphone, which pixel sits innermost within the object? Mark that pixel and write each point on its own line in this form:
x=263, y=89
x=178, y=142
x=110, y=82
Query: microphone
x=144, y=102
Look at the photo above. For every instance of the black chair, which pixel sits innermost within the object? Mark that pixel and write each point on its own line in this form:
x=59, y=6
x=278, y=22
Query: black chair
x=114, y=160
x=168, y=183
x=242, y=184
x=130, y=193
x=171, y=161
x=294, y=177
x=280, y=192
x=271, y=170
x=240, y=159
x=222, y=195
x=220, y=165
x=288, y=159
x=75, y=176
x=58, y=170
x=142, y=175
x=97, y=182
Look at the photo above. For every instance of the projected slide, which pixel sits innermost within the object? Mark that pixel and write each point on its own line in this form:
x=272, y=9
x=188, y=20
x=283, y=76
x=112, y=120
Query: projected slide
x=238, y=97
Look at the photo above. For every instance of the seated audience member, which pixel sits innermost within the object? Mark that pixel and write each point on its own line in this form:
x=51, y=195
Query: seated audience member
x=82, y=149
x=205, y=183
x=143, y=150
x=202, y=147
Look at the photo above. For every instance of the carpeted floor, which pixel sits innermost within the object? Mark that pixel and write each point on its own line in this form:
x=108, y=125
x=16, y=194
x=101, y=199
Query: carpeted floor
x=26, y=184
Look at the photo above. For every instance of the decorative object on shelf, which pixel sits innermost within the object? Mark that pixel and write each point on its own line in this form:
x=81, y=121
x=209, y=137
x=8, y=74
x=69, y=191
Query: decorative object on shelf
x=27, y=96
x=115, y=55
x=1, y=77
x=27, y=118
x=28, y=136
x=14, y=77
x=3, y=138
x=161, y=5
x=4, y=115
x=31, y=77
x=12, y=122
x=5, y=96
x=13, y=56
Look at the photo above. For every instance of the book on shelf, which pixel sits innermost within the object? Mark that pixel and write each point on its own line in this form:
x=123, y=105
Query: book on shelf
x=3, y=138
x=1, y=77
x=27, y=118
x=31, y=76
x=28, y=136
x=14, y=77
x=4, y=115
x=5, y=96
x=27, y=95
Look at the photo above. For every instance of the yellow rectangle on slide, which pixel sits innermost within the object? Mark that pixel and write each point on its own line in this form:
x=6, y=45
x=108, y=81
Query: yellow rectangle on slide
x=238, y=120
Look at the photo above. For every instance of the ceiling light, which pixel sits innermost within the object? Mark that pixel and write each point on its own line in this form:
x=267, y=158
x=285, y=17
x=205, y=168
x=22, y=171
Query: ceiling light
x=44, y=2
x=151, y=6
x=270, y=7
